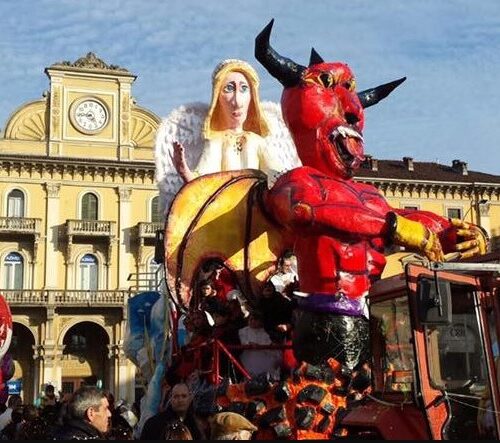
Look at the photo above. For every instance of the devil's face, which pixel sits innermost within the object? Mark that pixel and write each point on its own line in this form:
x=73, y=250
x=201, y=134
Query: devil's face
x=320, y=107
x=326, y=119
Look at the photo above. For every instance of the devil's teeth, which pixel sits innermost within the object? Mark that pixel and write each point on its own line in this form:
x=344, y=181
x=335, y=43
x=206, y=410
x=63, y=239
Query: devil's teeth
x=345, y=131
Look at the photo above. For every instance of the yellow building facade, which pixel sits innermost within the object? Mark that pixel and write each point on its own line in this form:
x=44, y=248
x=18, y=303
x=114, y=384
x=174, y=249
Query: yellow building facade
x=452, y=191
x=78, y=219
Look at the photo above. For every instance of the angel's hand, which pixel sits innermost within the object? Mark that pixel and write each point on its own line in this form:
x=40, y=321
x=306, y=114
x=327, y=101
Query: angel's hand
x=475, y=240
x=179, y=162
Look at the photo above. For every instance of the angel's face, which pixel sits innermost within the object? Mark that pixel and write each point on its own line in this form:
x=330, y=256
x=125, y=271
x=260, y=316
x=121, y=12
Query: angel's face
x=234, y=100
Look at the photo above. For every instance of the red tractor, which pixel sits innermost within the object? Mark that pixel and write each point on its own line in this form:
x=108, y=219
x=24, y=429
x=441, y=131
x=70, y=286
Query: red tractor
x=435, y=357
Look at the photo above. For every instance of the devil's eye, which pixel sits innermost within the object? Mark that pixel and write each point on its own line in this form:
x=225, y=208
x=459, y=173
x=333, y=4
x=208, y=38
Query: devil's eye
x=349, y=85
x=326, y=79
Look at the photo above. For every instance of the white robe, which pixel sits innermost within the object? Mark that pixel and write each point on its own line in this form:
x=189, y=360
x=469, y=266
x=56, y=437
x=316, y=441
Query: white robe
x=224, y=153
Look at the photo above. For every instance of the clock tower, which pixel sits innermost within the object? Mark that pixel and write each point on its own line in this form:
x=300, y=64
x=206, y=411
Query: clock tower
x=92, y=113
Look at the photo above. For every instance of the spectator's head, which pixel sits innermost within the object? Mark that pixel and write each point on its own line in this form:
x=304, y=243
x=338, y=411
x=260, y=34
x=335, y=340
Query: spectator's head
x=286, y=265
x=286, y=262
x=221, y=316
x=231, y=426
x=177, y=430
x=17, y=414
x=207, y=289
x=268, y=289
x=199, y=322
x=212, y=267
x=49, y=390
x=90, y=404
x=14, y=401
x=234, y=308
x=180, y=399
x=30, y=412
x=219, y=267
x=255, y=320
x=66, y=397
x=111, y=400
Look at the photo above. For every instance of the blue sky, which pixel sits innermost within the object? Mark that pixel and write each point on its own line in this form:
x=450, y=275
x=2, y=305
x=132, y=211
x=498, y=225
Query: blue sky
x=449, y=50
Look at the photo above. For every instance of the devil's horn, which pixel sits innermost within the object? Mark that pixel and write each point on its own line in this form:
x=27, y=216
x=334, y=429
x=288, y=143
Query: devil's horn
x=286, y=71
x=315, y=58
x=370, y=97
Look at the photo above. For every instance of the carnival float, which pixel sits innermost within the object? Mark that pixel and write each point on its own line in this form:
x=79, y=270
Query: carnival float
x=340, y=230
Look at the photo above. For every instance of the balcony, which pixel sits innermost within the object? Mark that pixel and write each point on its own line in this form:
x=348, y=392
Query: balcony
x=20, y=225
x=148, y=229
x=90, y=228
x=57, y=298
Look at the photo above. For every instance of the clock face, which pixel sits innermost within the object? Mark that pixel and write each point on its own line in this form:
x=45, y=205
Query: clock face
x=89, y=115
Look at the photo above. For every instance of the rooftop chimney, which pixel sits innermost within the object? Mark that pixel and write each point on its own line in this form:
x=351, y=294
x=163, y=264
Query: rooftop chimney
x=408, y=161
x=367, y=161
x=370, y=162
x=460, y=167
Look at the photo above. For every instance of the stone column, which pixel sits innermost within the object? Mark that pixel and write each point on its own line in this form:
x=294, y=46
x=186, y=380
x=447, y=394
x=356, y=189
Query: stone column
x=123, y=234
x=121, y=377
x=51, y=369
x=51, y=235
x=38, y=352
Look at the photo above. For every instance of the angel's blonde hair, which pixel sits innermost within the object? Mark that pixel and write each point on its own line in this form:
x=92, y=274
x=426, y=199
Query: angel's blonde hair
x=255, y=121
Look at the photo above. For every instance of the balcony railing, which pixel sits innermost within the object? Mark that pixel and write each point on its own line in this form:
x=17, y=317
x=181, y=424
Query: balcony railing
x=50, y=297
x=94, y=228
x=148, y=229
x=20, y=225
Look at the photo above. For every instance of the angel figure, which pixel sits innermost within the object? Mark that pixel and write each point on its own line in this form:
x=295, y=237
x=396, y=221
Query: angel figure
x=238, y=132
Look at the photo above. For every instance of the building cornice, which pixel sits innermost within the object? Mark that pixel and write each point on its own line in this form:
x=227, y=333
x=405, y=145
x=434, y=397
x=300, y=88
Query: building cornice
x=92, y=64
x=60, y=168
x=428, y=189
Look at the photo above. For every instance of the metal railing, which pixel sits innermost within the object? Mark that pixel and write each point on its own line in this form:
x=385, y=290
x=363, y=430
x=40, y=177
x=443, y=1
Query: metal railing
x=49, y=297
x=218, y=348
x=90, y=227
x=20, y=225
x=147, y=281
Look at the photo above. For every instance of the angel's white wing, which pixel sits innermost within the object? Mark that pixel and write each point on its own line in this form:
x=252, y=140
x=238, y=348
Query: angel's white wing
x=279, y=139
x=184, y=124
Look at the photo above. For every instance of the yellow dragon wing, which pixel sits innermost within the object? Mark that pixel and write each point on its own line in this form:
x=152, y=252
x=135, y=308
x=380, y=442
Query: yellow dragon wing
x=221, y=216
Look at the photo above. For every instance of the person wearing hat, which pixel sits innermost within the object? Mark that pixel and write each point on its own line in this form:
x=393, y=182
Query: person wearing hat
x=231, y=426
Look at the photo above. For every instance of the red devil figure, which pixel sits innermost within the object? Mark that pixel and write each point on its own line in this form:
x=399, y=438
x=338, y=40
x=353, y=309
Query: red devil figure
x=340, y=226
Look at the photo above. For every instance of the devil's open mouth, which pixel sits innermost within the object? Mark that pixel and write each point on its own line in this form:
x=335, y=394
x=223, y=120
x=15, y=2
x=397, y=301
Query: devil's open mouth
x=339, y=139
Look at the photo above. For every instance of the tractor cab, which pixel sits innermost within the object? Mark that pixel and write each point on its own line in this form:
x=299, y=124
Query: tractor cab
x=435, y=358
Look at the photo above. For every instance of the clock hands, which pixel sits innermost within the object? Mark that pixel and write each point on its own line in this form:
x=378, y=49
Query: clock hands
x=89, y=115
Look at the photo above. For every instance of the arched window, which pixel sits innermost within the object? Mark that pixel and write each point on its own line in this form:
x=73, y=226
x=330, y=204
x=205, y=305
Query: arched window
x=13, y=271
x=89, y=206
x=155, y=211
x=15, y=203
x=89, y=272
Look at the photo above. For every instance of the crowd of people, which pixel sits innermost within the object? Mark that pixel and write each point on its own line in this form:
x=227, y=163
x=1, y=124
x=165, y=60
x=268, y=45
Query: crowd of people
x=179, y=419
x=255, y=332
x=90, y=413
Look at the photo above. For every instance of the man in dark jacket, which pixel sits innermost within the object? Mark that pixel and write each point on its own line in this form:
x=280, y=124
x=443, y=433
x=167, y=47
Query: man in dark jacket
x=179, y=408
x=89, y=416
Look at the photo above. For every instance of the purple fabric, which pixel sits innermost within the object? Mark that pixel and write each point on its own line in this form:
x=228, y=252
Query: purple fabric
x=333, y=304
